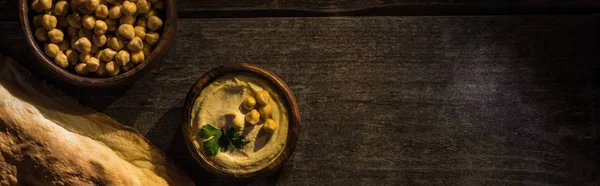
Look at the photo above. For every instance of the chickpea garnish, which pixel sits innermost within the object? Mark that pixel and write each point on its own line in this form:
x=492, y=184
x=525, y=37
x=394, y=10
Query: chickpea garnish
x=122, y=58
x=92, y=64
x=91, y=5
x=152, y=38
x=270, y=126
x=102, y=11
x=49, y=22
x=51, y=50
x=137, y=57
x=263, y=97
x=115, y=43
x=63, y=45
x=147, y=49
x=83, y=57
x=126, y=31
x=61, y=8
x=265, y=111
x=253, y=117
x=127, y=20
x=140, y=32
x=111, y=24
x=128, y=8
x=99, y=40
x=88, y=22
x=135, y=45
x=41, y=34
x=100, y=27
x=83, y=45
x=142, y=6
x=127, y=67
x=112, y=69
x=101, y=70
x=56, y=35
x=72, y=56
x=142, y=22
x=238, y=122
x=61, y=60
x=108, y=55
x=81, y=69
x=249, y=103
x=154, y=23
x=115, y=12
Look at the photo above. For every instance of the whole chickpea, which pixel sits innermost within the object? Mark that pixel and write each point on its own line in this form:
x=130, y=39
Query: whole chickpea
x=137, y=57
x=122, y=58
x=85, y=33
x=252, y=117
x=111, y=24
x=115, y=12
x=81, y=69
x=61, y=8
x=238, y=122
x=101, y=70
x=141, y=21
x=61, y=60
x=142, y=6
x=127, y=67
x=115, y=43
x=83, y=45
x=263, y=97
x=51, y=50
x=41, y=34
x=154, y=23
x=270, y=126
x=135, y=45
x=100, y=27
x=74, y=20
x=102, y=11
x=112, y=69
x=92, y=64
x=88, y=22
x=36, y=6
x=126, y=31
x=249, y=103
x=265, y=111
x=152, y=12
x=63, y=45
x=108, y=55
x=49, y=21
x=83, y=57
x=152, y=38
x=45, y=4
x=91, y=5
x=99, y=40
x=128, y=8
x=72, y=56
x=56, y=35
x=127, y=20
x=147, y=49
x=159, y=5
x=140, y=32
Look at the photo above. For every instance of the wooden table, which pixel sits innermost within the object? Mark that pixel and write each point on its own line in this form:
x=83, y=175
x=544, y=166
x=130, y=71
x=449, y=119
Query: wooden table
x=395, y=92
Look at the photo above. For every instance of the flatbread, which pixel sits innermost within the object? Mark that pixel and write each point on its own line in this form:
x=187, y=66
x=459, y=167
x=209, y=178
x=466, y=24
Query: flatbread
x=47, y=138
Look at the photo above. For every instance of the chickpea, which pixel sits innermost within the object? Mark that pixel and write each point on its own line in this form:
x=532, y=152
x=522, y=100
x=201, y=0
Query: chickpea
x=140, y=32
x=159, y=5
x=147, y=49
x=265, y=111
x=92, y=64
x=41, y=34
x=61, y=8
x=126, y=31
x=122, y=58
x=152, y=12
x=37, y=21
x=108, y=55
x=99, y=40
x=83, y=45
x=152, y=38
x=127, y=67
x=249, y=103
x=141, y=21
x=81, y=69
x=115, y=43
x=49, y=22
x=112, y=69
x=270, y=126
x=88, y=22
x=51, y=50
x=84, y=10
x=137, y=57
x=56, y=35
x=72, y=31
x=74, y=20
x=253, y=117
x=111, y=24
x=102, y=11
x=154, y=23
x=142, y=6
x=83, y=57
x=238, y=122
x=101, y=70
x=100, y=27
x=135, y=45
x=61, y=60
x=99, y=54
x=63, y=22
x=63, y=45
x=128, y=8
x=36, y=6
x=72, y=56
x=115, y=12
x=45, y=4
x=84, y=33
x=263, y=97
x=127, y=20
x=91, y=5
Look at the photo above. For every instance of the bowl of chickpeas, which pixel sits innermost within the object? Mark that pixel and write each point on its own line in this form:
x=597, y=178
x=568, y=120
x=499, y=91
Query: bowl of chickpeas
x=98, y=43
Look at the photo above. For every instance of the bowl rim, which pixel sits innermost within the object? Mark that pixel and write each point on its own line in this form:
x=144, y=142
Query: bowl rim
x=152, y=61
x=271, y=78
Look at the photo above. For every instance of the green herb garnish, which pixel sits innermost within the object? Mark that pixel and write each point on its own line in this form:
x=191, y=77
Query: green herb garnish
x=215, y=141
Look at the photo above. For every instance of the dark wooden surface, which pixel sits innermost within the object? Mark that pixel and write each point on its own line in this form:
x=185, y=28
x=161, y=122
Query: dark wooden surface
x=395, y=100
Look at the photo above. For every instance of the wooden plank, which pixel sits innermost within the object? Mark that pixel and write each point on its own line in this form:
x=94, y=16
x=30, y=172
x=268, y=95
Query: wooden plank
x=396, y=100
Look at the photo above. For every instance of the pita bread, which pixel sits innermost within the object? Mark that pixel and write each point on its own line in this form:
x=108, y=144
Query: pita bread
x=46, y=138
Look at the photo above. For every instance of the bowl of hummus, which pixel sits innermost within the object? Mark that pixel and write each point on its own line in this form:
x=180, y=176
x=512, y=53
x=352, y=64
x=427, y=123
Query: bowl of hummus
x=241, y=121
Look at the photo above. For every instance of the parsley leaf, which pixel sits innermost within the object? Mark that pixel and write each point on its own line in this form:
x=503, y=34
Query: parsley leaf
x=215, y=142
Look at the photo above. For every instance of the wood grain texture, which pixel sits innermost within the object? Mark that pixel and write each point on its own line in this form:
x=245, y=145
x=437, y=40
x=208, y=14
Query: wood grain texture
x=501, y=100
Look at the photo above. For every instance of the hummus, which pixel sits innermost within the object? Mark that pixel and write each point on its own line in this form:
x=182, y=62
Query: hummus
x=219, y=103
